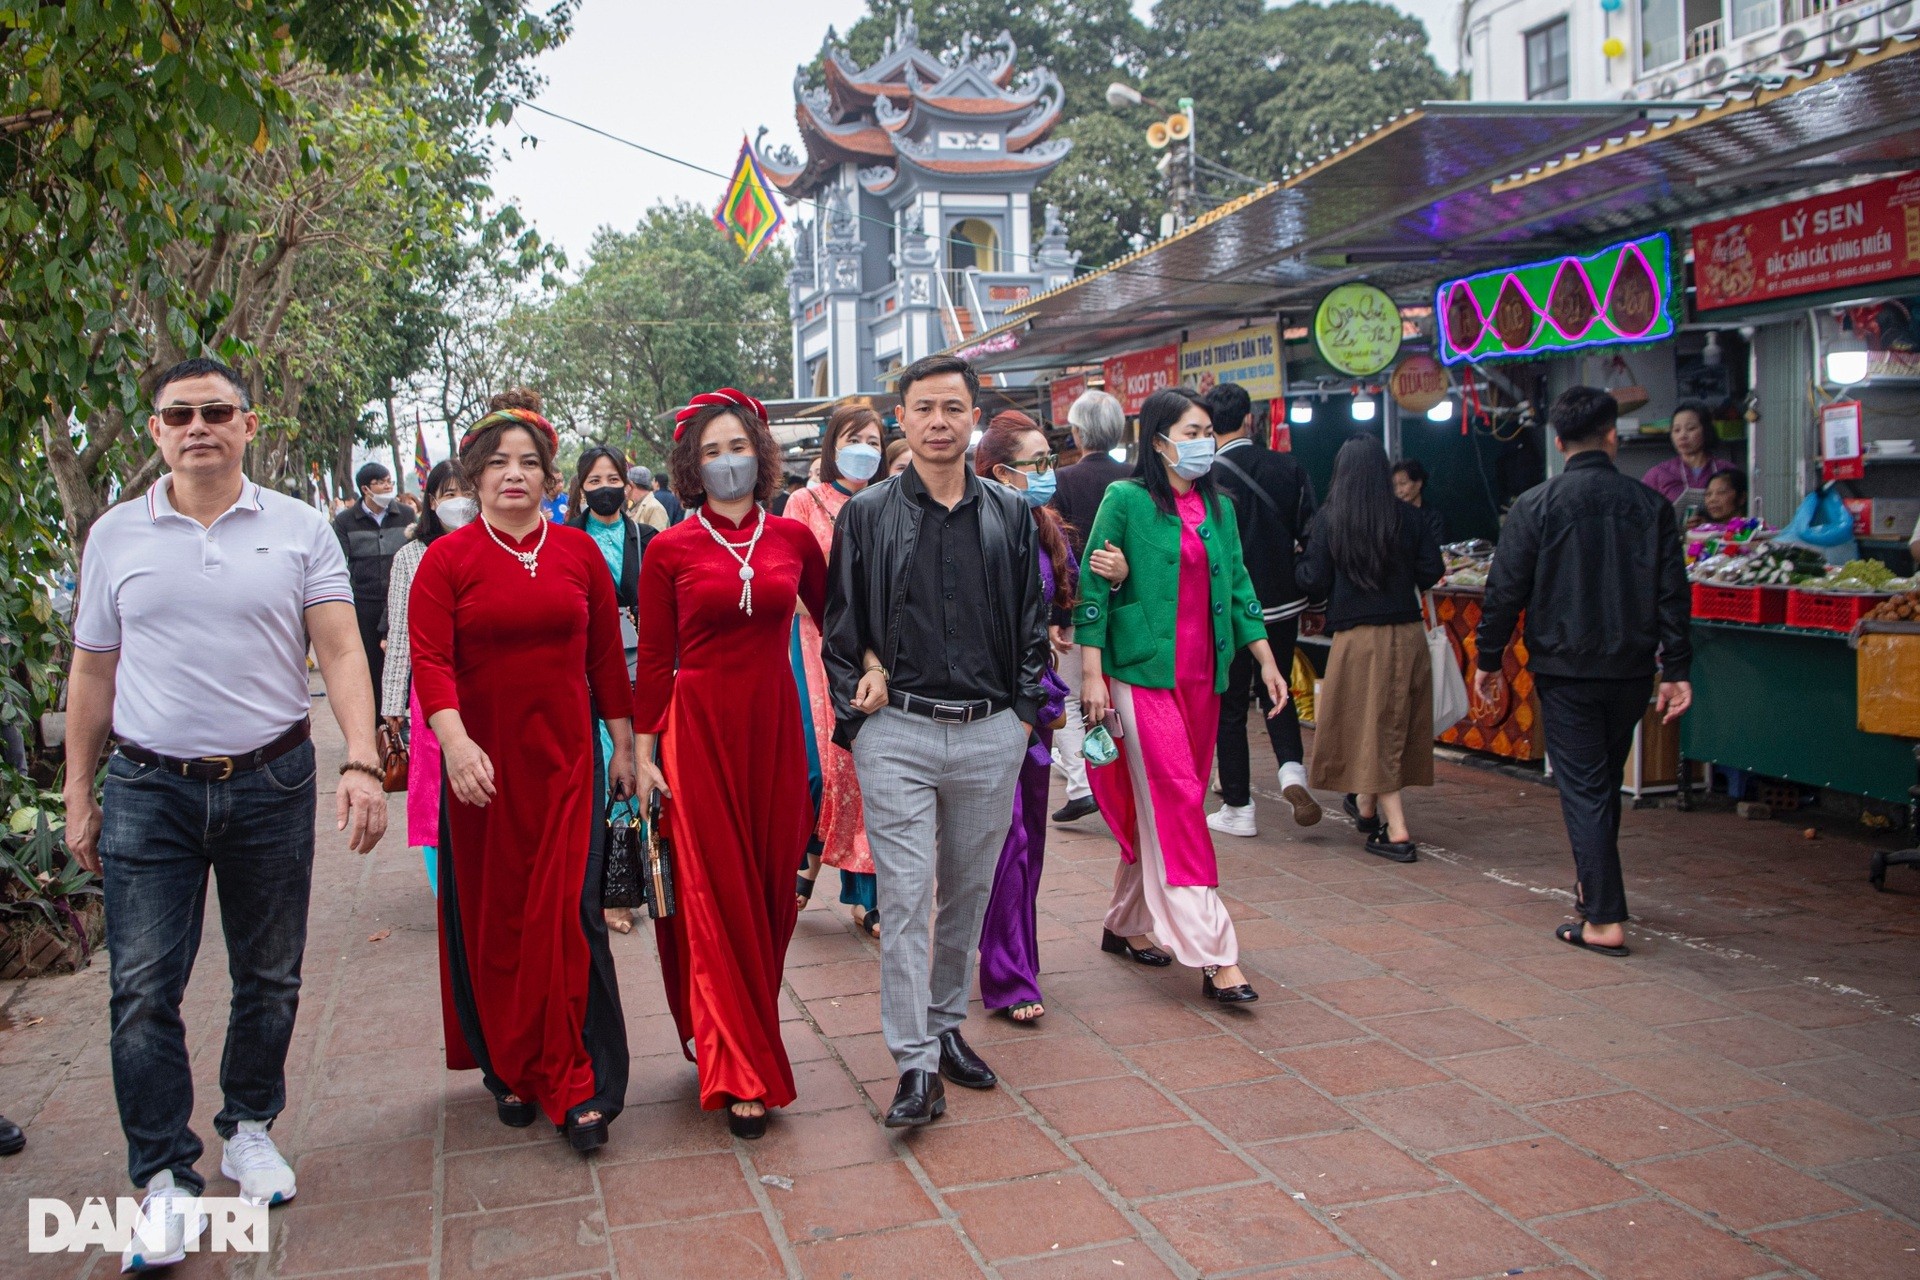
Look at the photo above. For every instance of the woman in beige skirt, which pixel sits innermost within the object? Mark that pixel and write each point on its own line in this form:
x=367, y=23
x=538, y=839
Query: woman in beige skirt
x=1368, y=558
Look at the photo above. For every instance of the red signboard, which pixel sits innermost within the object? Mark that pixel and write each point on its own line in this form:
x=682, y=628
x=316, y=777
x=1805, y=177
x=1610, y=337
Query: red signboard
x=1860, y=236
x=1064, y=392
x=1133, y=377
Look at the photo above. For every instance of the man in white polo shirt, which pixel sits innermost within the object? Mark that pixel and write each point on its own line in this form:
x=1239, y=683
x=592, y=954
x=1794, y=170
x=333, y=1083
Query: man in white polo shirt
x=197, y=603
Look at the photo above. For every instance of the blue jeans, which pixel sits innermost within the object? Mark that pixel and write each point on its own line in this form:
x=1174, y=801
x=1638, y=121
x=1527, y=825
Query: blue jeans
x=162, y=834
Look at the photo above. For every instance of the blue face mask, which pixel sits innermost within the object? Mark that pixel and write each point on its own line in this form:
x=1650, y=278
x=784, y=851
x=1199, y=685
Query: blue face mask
x=1039, y=490
x=857, y=461
x=1195, y=457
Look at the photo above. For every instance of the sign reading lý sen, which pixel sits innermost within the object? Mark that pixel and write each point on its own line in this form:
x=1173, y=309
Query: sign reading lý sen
x=1250, y=357
x=1860, y=236
x=1133, y=377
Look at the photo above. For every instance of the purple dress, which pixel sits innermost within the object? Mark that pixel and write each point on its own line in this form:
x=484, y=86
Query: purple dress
x=1009, y=947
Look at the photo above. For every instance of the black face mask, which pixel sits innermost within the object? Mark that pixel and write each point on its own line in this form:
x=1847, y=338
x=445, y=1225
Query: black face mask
x=607, y=500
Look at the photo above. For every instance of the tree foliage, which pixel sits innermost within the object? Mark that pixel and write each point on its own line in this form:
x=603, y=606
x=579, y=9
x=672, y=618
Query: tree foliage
x=659, y=314
x=271, y=181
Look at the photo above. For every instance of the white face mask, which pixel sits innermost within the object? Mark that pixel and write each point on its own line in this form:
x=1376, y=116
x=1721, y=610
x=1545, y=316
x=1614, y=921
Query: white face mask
x=379, y=501
x=454, y=512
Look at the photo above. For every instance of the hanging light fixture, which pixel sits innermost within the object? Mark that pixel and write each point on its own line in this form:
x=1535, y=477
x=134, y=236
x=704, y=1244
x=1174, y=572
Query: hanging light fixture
x=1441, y=412
x=1300, y=412
x=1363, y=406
x=1712, y=356
x=1846, y=355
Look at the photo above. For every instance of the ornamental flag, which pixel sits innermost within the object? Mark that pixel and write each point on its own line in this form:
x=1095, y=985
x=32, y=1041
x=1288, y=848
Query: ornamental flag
x=749, y=214
x=422, y=467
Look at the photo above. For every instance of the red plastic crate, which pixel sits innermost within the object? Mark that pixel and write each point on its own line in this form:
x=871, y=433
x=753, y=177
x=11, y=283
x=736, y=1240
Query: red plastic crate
x=1828, y=610
x=1740, y=604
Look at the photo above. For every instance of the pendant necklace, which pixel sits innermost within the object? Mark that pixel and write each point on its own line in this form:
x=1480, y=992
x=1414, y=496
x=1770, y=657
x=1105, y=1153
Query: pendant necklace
x=746, y=570
x=529, y=560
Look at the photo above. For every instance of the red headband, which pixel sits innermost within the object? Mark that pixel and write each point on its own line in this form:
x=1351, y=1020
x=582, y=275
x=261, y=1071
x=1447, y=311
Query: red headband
x=523, y=417
x=726, y=396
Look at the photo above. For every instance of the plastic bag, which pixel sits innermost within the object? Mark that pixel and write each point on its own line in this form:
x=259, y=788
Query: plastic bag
x=1823, y=523
x=1450, y=704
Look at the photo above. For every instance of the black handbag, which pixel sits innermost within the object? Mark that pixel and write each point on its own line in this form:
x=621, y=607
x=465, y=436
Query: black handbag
x=656, y=871
x=620, y=878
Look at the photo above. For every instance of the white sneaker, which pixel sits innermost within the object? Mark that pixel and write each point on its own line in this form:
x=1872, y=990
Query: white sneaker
x=252, y=1160
x=167, y=1225
x=1233, y=820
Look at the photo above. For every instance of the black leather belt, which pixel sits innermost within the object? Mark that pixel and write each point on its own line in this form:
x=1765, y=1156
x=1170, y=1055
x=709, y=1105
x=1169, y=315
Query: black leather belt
x=945, y=711
x=220, y=768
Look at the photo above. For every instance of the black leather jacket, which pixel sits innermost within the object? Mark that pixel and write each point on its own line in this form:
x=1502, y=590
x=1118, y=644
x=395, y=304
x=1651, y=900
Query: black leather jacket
x=874, y=539
x=1593, y=558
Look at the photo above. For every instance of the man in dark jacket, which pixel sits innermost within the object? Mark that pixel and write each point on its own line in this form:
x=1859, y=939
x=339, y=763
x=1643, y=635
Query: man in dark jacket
x=1099, y=425
x=1273, y=500
x=370, y=531
x=935, y=643
x=1593, y=558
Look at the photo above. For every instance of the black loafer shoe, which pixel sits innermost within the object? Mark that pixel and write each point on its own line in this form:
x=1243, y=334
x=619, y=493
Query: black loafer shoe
x=1393, y=850
x=1243, y=993
x=1365, y=826
x=920, y=1099
x=960, y=1064
x=1113, y=944
x=13, y=1139
x=1074, y=810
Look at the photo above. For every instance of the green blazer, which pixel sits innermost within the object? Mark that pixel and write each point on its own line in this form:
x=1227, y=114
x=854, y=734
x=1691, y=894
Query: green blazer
x=1133, y=626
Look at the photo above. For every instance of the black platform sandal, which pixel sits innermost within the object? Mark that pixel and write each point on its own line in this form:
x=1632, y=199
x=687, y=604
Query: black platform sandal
x=1364, y=825
x=870, y=923
x=585, y=1135
x=514, y=1112
x=749, y=1127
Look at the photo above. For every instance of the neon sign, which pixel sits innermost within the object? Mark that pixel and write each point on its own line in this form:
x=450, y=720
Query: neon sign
x=1622, y=294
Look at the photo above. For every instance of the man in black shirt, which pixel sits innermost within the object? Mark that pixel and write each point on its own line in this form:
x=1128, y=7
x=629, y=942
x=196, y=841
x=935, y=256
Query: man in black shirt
x=1272, y=501
x=1099, y=425
x=1593, y=558
x=370, y=531
x=935, y=647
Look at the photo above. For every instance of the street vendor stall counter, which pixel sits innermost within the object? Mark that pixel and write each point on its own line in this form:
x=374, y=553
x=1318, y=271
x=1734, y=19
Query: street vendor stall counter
x=1509, y=725
x=1783, y=702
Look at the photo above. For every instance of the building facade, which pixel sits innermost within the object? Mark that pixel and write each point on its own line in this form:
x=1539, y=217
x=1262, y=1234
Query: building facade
x=915, y=226
x=1534, y=50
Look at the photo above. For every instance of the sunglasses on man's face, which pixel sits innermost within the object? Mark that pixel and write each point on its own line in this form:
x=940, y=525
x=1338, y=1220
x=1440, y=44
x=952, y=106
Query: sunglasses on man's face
x=216, y=414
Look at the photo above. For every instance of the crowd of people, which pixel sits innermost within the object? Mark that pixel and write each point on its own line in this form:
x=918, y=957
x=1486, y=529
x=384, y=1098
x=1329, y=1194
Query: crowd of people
x=881, y=681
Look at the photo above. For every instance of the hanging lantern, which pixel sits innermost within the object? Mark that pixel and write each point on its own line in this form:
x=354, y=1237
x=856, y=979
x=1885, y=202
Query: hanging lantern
x=1610, y=6
x=1614, y=47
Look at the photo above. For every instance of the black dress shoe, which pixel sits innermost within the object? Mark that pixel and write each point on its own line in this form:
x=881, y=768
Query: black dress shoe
x=920, y=1099
x=1243, y=993
x=1393, y=850
x=13, y=1139
x=960, y=1064
x=1113, y=944
x=1364, y=825
x=1074, y=810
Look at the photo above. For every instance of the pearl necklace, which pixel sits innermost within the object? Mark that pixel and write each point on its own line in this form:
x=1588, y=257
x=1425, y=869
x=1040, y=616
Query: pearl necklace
x=746, y=570
x=529, y=560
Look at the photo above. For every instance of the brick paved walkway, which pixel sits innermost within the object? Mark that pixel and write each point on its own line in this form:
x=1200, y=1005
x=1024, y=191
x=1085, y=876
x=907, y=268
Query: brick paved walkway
x=1430, y=1086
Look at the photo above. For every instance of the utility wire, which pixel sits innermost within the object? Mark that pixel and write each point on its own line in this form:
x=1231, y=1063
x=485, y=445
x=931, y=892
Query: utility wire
x=1082, y=269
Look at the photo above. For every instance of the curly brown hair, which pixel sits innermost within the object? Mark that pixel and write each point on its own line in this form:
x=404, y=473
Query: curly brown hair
x=844, y=421
x=996, y=449
x=683, y=460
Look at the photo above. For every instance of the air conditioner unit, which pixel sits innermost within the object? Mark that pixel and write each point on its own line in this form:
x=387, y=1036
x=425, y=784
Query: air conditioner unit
x=1712, y=72
x=1669, y=87
x=1898, y=19
x=1851, y=25
x=1757, y=57
x=1798, y=46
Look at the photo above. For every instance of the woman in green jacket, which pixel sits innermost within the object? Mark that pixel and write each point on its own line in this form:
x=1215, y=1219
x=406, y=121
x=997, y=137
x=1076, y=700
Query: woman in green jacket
x=1164, y=634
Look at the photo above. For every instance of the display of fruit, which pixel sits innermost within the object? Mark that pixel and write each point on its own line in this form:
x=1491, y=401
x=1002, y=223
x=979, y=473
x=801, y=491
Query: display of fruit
x=1901, y=608
x=1859, y=575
